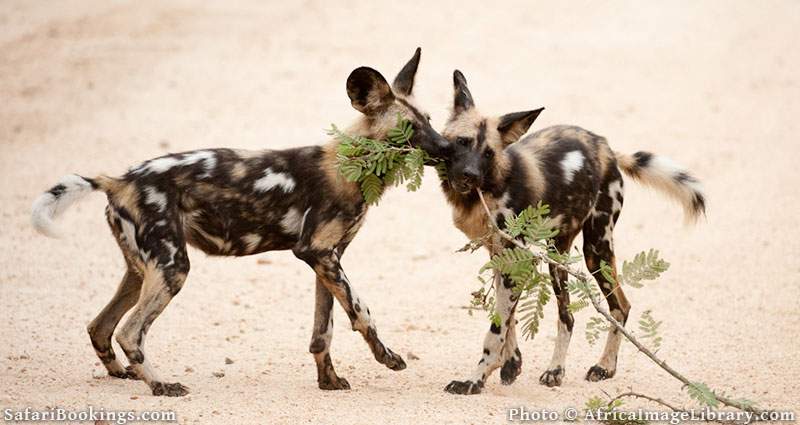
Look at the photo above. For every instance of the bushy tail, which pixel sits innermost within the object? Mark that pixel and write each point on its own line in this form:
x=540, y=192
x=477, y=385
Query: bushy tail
x=54, y=202
x=665, y=175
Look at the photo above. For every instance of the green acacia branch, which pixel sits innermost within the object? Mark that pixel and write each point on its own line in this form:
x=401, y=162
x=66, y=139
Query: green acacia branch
x=595, y=300
x=377, y=164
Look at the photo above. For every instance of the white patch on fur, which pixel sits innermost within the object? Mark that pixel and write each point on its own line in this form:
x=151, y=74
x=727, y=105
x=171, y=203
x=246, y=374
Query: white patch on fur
x=363, y=320
x=160, y=165
x=47, y=206
x=303, y=222
x=292, y=221
x=154, y=197
x=251, y=241
x=210, y=162
x=614, y=189
x=572, y=162
x=172, y=250
x=502, y=205
x=272, y=179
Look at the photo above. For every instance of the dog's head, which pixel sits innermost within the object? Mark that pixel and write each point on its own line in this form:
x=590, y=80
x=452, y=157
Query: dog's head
x=478, y=142
x=381, y=103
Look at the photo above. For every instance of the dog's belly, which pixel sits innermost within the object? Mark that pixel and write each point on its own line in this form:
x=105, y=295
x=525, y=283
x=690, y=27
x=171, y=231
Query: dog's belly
x=237, y=228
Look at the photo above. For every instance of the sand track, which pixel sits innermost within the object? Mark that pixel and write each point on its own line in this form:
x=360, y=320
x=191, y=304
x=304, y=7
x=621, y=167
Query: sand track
x=94, y=87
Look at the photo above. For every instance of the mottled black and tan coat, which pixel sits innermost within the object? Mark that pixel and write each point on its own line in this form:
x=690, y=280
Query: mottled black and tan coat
x=233, y=203
x=576, y=173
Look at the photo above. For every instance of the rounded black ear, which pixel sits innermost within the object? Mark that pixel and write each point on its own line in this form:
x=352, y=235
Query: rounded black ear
x=404, y=82
x=462, y=98
x=368, y=91
x=512, y=126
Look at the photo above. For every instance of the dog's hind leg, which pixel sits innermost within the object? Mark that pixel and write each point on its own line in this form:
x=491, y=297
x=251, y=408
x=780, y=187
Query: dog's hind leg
x=619, y=308
x=161, y=250
x=102, y=327
x=554, y=375
x=598, y=245
x=161, y=283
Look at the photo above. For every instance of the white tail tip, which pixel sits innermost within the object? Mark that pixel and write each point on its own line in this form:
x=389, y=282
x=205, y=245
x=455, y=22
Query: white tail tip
x=55, y=201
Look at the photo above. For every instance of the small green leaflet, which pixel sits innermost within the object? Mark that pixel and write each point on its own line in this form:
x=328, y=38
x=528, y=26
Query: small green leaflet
x=649, y=327
x=700, y=392
x=377, y=164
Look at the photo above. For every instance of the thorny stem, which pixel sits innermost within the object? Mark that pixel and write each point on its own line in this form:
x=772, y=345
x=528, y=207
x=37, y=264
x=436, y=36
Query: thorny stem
x=614, y=322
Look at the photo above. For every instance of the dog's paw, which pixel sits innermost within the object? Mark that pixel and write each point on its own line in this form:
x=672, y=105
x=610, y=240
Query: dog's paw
x=464, y=387
x=510, y=371
x=393, y=361
x=168, y=390
x=552, y=377
x=598, y=373
x=333, y=383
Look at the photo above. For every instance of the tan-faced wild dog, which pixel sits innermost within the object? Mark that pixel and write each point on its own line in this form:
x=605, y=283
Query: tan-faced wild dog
x=232, y=202
x=573, y=171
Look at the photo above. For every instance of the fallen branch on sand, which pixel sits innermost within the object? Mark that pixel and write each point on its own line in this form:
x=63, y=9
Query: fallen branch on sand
x=527, y=245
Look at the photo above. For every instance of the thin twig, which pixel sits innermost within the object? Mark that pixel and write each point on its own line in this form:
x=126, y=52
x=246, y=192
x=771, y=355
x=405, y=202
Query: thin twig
x=614, y=322
x=632, y=394
x=646, y=397
x=467, y=307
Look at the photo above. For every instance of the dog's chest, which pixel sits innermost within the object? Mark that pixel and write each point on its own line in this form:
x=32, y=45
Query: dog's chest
x=473, y=221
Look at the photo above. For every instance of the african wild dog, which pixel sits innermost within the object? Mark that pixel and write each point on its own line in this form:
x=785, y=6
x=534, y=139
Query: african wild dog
x=575, y=172
x=234, y=203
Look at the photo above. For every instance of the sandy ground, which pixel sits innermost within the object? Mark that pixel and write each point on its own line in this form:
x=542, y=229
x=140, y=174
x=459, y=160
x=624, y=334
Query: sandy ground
x=94, y=87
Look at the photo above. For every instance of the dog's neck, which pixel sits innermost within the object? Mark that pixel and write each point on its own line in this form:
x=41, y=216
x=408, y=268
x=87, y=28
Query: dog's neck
x=362, y=127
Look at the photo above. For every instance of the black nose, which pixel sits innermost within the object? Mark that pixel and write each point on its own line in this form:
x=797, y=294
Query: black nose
x=471, y=174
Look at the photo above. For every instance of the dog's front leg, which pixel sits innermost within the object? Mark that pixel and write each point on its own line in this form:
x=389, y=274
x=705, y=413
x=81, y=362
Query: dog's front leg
x=321, y=338
x=329, y=272
x=494, y=345
x=512, y=367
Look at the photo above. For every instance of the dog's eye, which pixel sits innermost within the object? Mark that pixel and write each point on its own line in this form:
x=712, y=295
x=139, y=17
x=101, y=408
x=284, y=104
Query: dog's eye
x=463, y=141
x=488, y=154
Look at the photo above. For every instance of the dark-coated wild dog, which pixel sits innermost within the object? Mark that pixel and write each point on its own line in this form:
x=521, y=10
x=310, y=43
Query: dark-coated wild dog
x=573, y=171
x=233, y=202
